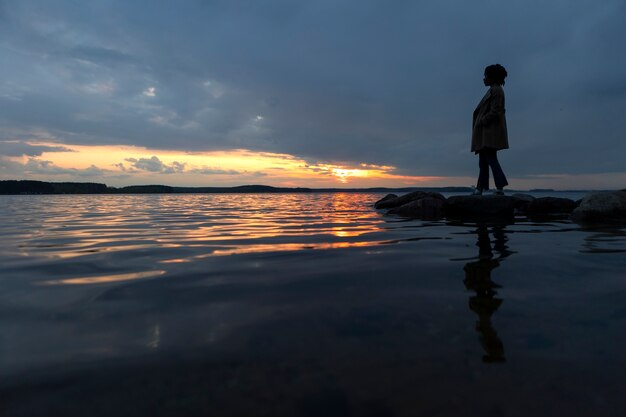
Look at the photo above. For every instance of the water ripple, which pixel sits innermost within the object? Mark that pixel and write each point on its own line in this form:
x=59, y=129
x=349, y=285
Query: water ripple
x=126, y=231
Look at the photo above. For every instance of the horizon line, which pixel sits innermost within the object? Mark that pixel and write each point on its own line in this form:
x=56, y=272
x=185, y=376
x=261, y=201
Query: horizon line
x=457, y=187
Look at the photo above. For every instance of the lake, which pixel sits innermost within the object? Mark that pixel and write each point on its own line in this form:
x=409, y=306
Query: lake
x=303, y=305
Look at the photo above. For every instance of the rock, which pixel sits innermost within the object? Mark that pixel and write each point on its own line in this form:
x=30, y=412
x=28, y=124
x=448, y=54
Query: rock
x=427, y=208
x=480, y=207
x=550, y=205
x=601, y=207
x=522, y=201
x=523, y=197
x=407, y=198
x=385, y=198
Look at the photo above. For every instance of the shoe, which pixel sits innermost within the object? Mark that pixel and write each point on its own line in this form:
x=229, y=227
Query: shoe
x=477, y=191
x=499, y=191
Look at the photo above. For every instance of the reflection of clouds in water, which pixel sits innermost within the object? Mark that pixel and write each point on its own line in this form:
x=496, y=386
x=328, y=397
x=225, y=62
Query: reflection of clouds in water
x=155, y=337
x=287, y=279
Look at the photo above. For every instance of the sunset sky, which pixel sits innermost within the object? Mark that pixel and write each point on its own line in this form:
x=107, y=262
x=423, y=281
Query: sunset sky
x=309, y=93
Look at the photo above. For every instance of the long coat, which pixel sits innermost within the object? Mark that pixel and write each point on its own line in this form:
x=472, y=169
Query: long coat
x=489, y=122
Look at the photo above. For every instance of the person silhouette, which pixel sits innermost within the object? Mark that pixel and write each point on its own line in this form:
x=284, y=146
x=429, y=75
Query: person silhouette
x=489, y=131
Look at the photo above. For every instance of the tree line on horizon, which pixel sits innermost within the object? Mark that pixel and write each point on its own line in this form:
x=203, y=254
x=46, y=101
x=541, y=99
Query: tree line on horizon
x=16, y=187
x=43, y=187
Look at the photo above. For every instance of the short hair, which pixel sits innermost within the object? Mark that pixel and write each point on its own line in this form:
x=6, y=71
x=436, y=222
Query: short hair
x=496, y=72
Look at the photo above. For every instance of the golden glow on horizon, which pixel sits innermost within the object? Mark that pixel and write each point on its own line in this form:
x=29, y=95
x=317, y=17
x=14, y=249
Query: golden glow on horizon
x=131, y=165
x=344, y=174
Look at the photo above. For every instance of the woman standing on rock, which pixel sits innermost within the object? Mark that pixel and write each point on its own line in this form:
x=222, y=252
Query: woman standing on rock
x=489, y=134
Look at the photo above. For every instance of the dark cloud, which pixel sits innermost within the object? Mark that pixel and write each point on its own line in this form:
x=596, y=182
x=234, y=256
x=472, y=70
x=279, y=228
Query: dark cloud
x=213, y=171
x=354, y=81
x=39, y=167
x=154, y=164
x=15, y=148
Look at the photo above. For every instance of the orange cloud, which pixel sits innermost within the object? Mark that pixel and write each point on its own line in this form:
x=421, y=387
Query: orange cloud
x=122, y=165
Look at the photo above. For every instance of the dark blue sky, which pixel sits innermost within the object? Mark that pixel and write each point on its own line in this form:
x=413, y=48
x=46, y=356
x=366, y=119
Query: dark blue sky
x=377, y=82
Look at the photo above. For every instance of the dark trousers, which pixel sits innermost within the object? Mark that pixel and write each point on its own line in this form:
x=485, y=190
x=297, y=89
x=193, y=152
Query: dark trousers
x=488, y=158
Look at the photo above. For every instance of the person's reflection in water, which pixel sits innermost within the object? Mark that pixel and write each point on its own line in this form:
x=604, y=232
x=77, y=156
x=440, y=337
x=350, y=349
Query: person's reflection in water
x=478, y=279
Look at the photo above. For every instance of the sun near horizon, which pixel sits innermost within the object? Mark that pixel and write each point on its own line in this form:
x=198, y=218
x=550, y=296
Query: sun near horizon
x=132, y=165
x=129, y=165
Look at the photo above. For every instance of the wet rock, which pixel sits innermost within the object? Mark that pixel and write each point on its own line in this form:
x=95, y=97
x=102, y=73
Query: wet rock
x=601, y=207
x=476, y=206
x=428, y=208
x=523, y=197
x=407, y=198
x=384, y=199
x=550, y=205
x=522, y=201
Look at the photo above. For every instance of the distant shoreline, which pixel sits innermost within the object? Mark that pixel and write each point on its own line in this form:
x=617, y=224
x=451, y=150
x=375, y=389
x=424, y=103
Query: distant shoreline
x=29, y=187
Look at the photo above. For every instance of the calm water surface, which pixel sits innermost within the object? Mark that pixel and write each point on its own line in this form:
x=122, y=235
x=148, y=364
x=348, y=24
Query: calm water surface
x=303, y=304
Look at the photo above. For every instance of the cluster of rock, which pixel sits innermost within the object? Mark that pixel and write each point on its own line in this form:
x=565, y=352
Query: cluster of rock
x=596, y=207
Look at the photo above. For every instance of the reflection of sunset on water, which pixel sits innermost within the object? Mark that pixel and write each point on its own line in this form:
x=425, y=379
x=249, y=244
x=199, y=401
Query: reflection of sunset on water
x=289, y=247
x=138, y=275
x=103, y=279
x=188, y=227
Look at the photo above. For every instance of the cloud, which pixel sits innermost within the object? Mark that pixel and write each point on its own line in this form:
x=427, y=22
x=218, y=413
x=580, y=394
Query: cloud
x=16, y=148
x=353, y=81
x=37, y=166
x=92, y=171
x=150, y=92
x=99, y=55
x=213, y=171
x=154, y=164
x=42, y=168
